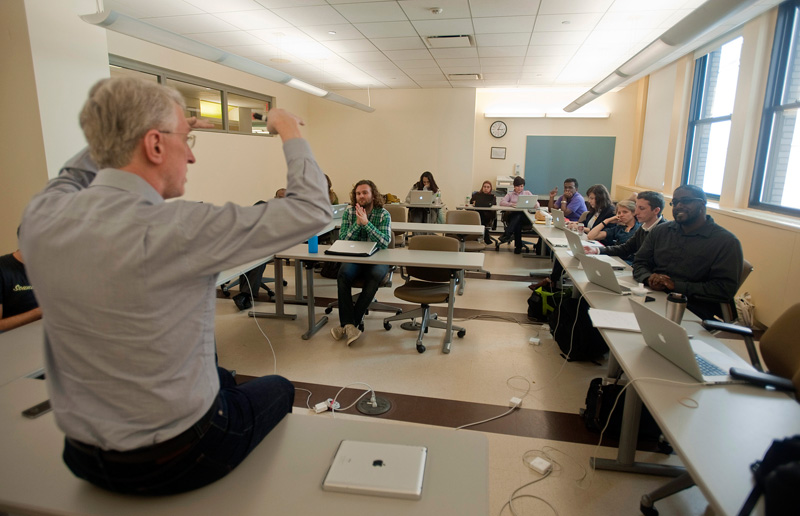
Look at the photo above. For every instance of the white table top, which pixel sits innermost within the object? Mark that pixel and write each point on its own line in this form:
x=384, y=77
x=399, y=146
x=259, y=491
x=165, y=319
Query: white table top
x=458, y=229
x=22, y=352
x=414, y=258
x=283, y=475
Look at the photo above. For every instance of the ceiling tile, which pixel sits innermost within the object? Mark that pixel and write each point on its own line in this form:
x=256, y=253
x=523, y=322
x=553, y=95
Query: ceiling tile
x=500, y=76
x=364, y=57
x=434, y=84
x=460, y=69
x=552, y=50
x=340, y=30
x=566, y=22
x=251, y=51
x=397, y=29
x=371, y=12
x=498, y=40
x=350, y=45
x=475, y=62
x=501, y=62
x=503, y=24
x=310, y=15
x=486, y=8
x=402, y=55
x=455, y=27
x=416, y=63
x=517, y=51
x=577, y=6
x=558, y=38
x=639, y=5
x=191, y=23
x=276, y=4
x=411, y=43
x=454, y=53
x=251, y=20
x=417, y=75
x=377, y=65
x=215, y=6
x=394, y=75
x=640, y=20
x=223, y=39
x=421, y=9
x=545, y=60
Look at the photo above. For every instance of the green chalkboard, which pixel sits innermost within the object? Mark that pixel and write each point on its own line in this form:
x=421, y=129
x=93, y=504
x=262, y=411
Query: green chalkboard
x=551, y=159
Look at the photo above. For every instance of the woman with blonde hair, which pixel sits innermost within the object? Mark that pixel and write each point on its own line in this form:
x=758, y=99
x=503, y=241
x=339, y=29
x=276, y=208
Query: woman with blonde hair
x=618, y=229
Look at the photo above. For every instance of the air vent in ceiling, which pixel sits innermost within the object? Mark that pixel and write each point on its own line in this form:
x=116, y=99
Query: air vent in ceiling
x=464, y=76
x=449, y=41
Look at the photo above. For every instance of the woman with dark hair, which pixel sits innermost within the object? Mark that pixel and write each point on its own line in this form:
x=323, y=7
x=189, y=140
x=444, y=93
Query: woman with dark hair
x=428, y=183
x=331, y=194
x=600, y=207
x=485, y=198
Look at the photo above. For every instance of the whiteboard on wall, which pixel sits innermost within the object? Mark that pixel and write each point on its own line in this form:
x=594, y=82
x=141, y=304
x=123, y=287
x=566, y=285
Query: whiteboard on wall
x=657, y=122
x=551, y=159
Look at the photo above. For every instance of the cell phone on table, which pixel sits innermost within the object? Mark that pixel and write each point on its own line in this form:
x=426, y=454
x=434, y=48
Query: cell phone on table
x=762, y=379
x=37, y=410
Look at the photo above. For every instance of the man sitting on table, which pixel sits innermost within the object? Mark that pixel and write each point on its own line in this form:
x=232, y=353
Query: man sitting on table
x=364, y=220
x=571, y=203
x=515, y=218
x=18, y=306
x=131, y=369
x=649, y=206
x=691, y=255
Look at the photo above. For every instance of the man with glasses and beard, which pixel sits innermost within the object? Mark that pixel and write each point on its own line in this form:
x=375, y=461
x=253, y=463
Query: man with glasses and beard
x=691, y=255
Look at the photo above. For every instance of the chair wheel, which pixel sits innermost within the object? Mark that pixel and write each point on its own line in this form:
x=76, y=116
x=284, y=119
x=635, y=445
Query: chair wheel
x=226, y=292
x=426, y=329
x=387, y=326
x=461, y=334
x=648, y=511
x=420, y=348
x=398, y=312
x=328, y=310
x=366, y=312
x=488, y=275
x=285, y=284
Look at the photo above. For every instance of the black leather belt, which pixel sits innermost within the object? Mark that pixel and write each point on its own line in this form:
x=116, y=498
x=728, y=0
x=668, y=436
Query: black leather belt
x=158, y=453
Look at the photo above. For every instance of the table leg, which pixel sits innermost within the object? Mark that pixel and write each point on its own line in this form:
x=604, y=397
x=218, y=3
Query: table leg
x=279, y=301
x=462, y=247
x=448, y=334
x=313, y=325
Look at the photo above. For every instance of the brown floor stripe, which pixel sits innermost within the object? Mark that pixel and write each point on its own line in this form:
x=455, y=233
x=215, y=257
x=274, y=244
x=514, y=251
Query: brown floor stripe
x=542, y=424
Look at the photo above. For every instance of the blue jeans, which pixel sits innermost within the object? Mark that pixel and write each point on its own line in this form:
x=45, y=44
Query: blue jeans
x=371, y=275
x=245, y=415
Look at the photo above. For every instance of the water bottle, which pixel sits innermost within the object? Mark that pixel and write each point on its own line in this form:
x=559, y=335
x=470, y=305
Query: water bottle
x=313, y=244
x=466, y=201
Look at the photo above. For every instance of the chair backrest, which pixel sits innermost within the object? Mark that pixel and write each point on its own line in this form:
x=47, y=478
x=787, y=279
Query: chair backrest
x=780, y=347
x=397, y=213
x=729, y=308
x=747, y=268
x=432, y=243
x=464, y=217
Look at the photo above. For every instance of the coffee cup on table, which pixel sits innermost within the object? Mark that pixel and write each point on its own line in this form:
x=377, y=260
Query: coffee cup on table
x=676, y=305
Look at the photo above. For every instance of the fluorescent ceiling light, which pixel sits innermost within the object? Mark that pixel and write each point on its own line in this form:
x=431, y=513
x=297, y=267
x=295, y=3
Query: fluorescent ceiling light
x=564, y=114
x=609, y=83
x=647, y=56
x=304, y=86
x=123, y=24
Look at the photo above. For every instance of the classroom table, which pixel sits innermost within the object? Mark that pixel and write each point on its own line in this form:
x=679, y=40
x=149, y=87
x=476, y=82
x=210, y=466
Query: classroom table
x=283, y=474
x=732, y=426
x=429, y=207
x=400, y=257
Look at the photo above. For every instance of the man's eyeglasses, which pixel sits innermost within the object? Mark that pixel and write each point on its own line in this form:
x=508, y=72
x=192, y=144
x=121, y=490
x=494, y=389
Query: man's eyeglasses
x=190, y=138
x=686, y=200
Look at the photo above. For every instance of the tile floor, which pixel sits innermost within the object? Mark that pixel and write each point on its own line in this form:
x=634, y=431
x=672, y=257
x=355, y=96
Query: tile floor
x=477, y=370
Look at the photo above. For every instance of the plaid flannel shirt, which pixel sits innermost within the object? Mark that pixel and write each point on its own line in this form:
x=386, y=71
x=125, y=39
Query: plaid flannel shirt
x=377, y=229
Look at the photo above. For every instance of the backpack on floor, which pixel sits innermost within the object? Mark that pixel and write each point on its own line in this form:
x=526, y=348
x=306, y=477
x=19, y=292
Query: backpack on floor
x=573, y=331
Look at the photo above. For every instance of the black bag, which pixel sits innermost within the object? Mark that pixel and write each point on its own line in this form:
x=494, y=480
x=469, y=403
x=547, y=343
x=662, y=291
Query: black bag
x=585, y=342
x=330, y=269
x=543, y=300
x=599, y=400
x=777, y=476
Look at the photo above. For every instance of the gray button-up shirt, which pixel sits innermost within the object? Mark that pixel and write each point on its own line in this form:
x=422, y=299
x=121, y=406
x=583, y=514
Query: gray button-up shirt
x=127, y=285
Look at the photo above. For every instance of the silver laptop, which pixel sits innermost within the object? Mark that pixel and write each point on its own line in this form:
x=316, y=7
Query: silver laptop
x=419, y=197
x=601, y=273
x=352, y=248
x=527, y=202
x=378, y=469
x=699, y=359
x=338, y=210
x=558, y=219
x=576, y=246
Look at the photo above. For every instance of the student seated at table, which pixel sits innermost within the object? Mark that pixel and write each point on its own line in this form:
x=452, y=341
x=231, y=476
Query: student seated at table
x=649, y=206
x=600, y=208
x=515, y=218
x=485, y=198
x=427, y=183
x=18, y=305
x=364, y=220
x=618, y=229
x=691, y=255
x=331, y=194
x=131, y=370
x=571, y=203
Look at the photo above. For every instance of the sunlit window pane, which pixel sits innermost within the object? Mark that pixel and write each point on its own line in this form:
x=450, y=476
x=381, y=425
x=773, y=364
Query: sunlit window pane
x=782, y=181
x=201, y=101
x=722, y=72
x=247, y=115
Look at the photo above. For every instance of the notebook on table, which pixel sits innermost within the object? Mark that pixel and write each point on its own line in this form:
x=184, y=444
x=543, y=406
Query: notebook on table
x=601, y=273
x=419, y=197
x=575, y=245
x=558, y=219
x=700, y=360
x=377, y=469
x=338, y=210
x=527, y=202
x=352, y=248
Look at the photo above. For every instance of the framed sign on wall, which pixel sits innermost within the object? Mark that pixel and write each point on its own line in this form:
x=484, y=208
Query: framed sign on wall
x=498, y=153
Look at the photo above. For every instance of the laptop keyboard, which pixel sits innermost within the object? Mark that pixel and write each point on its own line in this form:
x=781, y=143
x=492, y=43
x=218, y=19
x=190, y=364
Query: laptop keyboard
x=707, y=368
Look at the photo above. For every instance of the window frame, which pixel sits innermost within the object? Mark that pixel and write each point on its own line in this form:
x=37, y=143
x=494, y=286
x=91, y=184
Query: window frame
x=696, y=109
x=163, y=74
x=788, y=12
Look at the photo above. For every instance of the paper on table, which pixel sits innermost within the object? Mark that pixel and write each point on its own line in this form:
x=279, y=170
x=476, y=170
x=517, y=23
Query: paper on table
x=612, y=320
